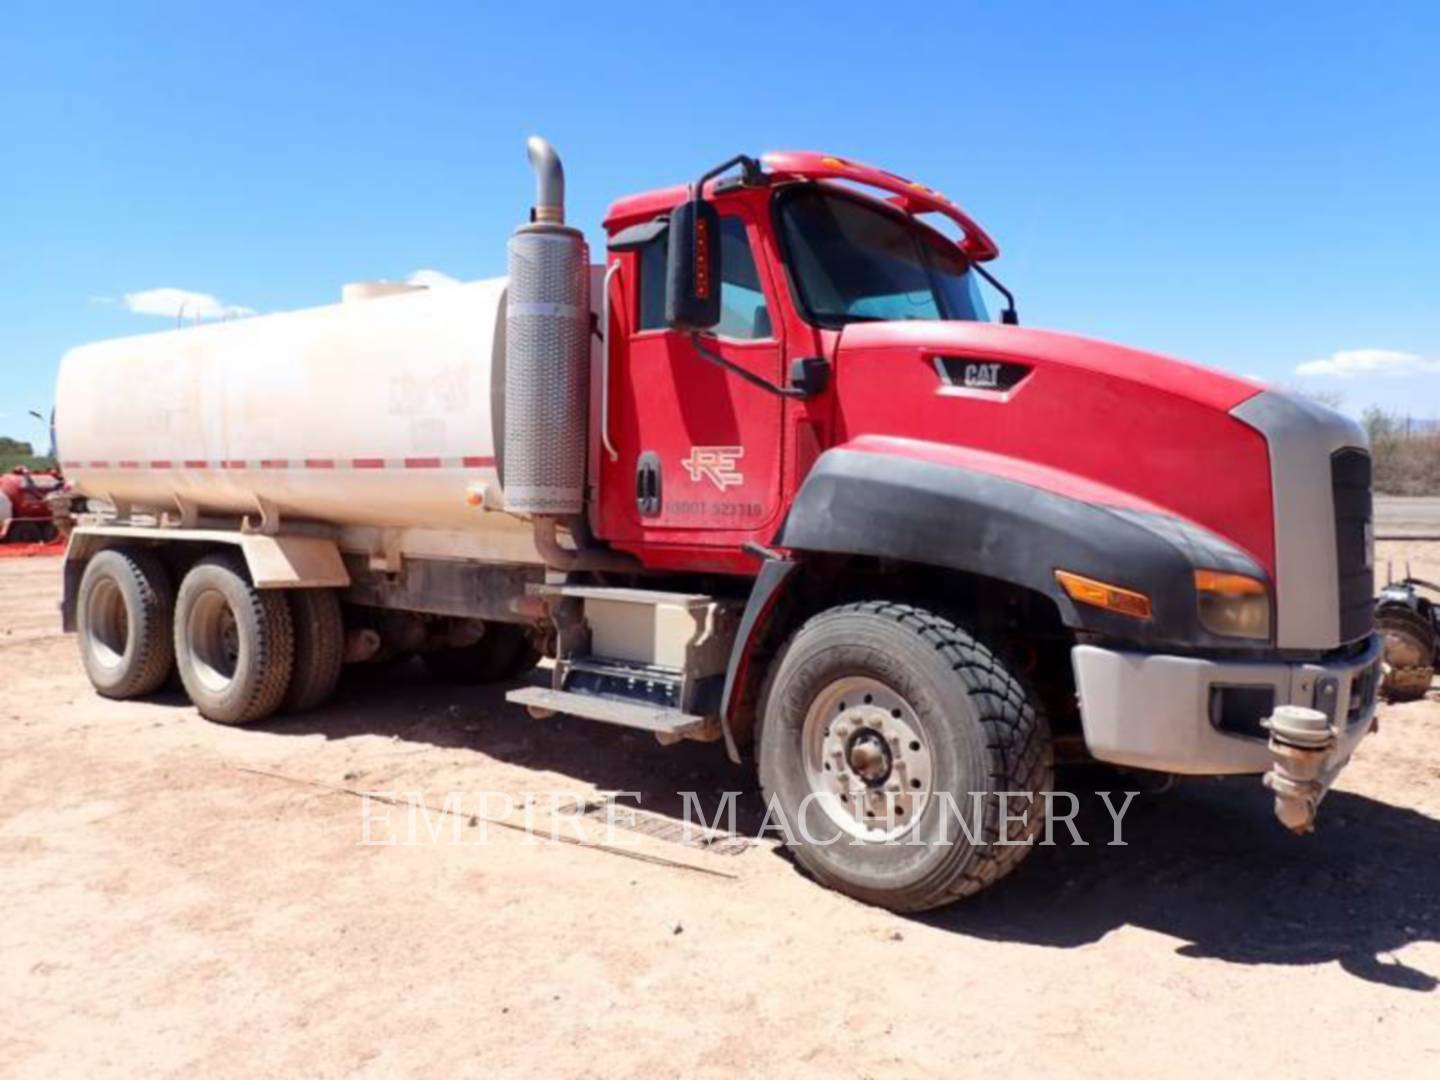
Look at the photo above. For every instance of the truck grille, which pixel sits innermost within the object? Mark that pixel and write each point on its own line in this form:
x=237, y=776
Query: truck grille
x=1350, y=486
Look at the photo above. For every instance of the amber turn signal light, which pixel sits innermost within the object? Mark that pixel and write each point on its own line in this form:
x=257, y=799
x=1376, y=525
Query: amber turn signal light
x=1101, y=594
x=1217, y=581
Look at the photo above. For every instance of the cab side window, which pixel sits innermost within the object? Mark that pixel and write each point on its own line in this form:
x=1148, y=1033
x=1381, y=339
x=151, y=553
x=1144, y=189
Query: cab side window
x=743, y=313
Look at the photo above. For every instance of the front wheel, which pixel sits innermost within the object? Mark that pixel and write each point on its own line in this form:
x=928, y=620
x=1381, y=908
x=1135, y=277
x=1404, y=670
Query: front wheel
x=893, y=744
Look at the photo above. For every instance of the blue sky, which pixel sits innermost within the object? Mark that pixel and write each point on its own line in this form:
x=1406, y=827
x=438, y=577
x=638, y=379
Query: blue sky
x=1255, y=187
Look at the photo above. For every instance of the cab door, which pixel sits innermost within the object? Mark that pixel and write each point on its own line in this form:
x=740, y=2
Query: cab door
x=697, y=448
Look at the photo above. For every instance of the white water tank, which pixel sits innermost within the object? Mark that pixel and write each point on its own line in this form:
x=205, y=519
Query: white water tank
x=381, y=411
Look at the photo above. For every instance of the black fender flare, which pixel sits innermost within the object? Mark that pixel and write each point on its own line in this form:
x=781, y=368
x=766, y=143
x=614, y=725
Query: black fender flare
x=937, y=513
x=917, y=510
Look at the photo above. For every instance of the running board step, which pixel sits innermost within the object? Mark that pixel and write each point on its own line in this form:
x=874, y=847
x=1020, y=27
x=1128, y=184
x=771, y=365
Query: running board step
x=667, y=725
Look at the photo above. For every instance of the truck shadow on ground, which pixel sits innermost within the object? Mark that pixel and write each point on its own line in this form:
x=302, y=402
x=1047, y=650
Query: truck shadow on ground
x=1205, y=862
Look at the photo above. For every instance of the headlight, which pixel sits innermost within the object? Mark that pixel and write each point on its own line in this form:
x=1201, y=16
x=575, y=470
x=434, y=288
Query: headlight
x=1233, y=605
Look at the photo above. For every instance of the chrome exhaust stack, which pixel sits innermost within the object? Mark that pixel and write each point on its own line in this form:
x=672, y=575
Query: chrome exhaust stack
x=547, y=374
x=549, y=208
x=547, y=352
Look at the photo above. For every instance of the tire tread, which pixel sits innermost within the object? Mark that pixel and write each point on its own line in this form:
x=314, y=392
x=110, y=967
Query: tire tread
x=319, y=631
x=154, y=640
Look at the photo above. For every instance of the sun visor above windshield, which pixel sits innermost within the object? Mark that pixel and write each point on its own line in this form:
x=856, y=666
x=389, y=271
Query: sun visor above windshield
x=909, y=196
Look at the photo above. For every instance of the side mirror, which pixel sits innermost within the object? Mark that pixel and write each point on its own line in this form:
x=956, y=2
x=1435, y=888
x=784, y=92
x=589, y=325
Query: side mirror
x=692, y=269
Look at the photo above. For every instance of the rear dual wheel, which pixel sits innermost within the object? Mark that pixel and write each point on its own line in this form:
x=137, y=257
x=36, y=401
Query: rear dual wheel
x=234, y=643
x=244, y=653
x=319, y=648
x=241, y=652
x=123, y=616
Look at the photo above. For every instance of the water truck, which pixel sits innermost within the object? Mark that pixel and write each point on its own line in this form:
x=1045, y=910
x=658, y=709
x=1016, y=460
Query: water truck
x=767, y=474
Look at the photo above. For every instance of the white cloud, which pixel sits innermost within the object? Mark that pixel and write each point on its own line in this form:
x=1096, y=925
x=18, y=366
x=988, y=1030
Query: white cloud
x=431, y=279
x=173, y=303
x=1348, y=363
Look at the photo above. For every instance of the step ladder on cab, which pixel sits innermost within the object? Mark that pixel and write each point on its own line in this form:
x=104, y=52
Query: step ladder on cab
x=638, y=658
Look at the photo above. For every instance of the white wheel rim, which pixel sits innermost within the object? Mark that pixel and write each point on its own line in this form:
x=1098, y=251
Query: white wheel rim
x=867, y=760
x=214, y=638
x=108, y=624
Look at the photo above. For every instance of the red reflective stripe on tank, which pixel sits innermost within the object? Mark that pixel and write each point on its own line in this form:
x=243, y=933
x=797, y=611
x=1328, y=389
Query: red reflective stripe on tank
x=470, y=461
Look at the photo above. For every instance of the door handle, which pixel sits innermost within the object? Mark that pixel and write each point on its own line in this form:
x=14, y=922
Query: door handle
x=647, y=484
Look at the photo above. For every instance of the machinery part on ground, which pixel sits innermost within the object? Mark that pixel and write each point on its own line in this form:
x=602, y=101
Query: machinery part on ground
x=30, y=532
x=1410, y=626
x=25, y=515
x=319, y=648
x=891, y=696
x=124, y=622
x=234, y=643
x=1301, y=740
x=547, y=354
x=504, y=652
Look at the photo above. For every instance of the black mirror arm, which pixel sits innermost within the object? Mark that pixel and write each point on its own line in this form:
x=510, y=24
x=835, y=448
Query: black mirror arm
x=749, y=166
x=1009, y=316
x=719, y=361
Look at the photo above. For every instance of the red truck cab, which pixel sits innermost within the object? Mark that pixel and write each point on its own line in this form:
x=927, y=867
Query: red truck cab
x=1179, y=532
x=909, y=355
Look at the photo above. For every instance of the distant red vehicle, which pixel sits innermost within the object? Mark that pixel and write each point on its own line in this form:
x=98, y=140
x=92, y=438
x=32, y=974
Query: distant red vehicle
x=25, y=518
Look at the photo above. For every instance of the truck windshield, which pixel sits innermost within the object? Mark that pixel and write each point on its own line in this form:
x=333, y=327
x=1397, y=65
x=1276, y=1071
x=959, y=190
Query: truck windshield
x=853, y=262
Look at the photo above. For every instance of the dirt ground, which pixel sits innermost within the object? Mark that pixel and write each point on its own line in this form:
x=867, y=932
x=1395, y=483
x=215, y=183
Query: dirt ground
x=167, y=911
